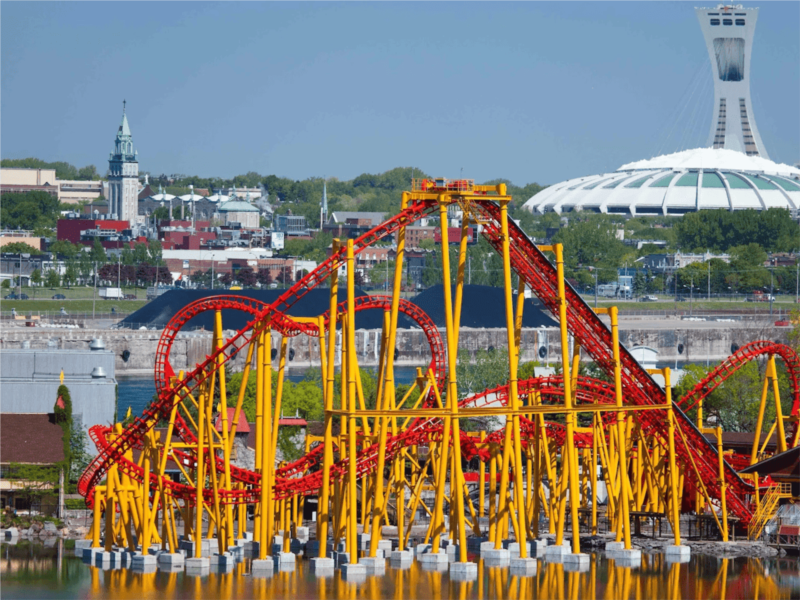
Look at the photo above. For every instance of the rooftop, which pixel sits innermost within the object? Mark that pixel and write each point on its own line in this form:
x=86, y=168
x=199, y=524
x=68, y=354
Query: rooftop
x=30, y=438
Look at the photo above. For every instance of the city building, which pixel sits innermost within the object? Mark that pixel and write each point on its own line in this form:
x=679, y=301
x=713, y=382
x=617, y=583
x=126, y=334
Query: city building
x=30, y=440
x=112, y=233
x=30, y=378
x=241, y=213
x=24, y=237
x=668, y=263
x=291, y=225
x=733, y=173
x=352, y=224
x=123, y=175
x=44, y=180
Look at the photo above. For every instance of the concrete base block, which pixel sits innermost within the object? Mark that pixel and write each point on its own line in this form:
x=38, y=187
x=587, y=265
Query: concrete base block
x=79, y=544
x=423, y=549
x=435, y=567
x=11, y=532
x=341, y=558
x=439, y=558
x=474, y=543
x=514, y=549
x=486, y=546
x=576, y=562
x=463, y=571
x=401, y=557
x=452, y=549
x=223, y=560
x=170, y=568
x=353, y=572
x=385, y=545
x=523, y=566
x=496, y=558
x=302, y=533
x=103, y=558
x=373, y=565
x=538, y=547
x=90, y=553
x=167, y=559
x=362, y=540
x=284, y=561
x=262, y=567
x=198, y=566
x=319, y=565
x=557, y=553
x=678, y=554
x=141, y=561
x=614, y=546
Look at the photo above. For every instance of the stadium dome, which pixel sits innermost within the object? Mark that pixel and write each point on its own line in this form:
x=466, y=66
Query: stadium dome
x=674, y=184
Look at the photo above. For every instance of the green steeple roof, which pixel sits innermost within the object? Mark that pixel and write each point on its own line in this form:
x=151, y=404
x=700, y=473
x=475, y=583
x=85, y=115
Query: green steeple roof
x=124, y=128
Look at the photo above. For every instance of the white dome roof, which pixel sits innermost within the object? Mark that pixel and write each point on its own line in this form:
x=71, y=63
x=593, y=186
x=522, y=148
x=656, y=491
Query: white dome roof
x=191, y=197
x=675, y=184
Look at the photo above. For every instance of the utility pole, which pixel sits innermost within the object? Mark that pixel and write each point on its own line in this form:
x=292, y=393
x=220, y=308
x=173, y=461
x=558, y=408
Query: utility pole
x=119, y=269
x=771, y=288
x=212, y=270
x=691, y=296
x=709, y=280
x=797, y=282
x=94, y=292
x=595, y=287
x=469, y=269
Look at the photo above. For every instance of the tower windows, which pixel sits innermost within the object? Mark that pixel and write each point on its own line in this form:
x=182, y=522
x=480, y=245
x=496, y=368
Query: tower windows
x=740, y=22
x=715, y=21
x=727, y=21
x=750, y=147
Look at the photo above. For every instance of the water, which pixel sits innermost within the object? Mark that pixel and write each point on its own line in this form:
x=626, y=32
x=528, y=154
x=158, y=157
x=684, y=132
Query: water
x=32, y=571
x=137, y=392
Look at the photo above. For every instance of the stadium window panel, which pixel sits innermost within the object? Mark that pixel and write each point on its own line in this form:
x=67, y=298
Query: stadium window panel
x=715, y=21
x=727, y=21
x=688, y=180
x=740, y=22
x=730, y=58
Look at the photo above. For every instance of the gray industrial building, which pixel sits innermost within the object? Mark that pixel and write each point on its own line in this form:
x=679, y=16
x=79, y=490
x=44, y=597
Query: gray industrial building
x=29, y=381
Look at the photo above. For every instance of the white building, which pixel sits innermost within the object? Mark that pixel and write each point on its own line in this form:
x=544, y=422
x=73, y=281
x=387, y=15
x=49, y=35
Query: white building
x=734, y=173
x=123, y=175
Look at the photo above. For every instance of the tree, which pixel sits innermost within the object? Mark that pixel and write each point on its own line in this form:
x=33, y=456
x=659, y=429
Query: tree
x=28, y=210
x=264, y=277
x=65, y=248
x=246, y=277
x=20, y=248
x=285, y=275
x=6, y=284
x=155, y=252
x=98, y=253
x=70, y=273
x=226, y=279
x=36, y=280
x=52, y=279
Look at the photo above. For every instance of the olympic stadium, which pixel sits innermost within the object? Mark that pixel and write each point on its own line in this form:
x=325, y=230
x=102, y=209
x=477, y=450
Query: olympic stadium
x=734, y=172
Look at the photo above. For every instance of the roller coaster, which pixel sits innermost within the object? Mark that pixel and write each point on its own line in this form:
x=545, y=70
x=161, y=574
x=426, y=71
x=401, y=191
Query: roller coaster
x=553, y=434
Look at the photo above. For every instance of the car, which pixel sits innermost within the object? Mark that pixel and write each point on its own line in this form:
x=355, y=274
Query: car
x=648, y=299
x=129, y=297
x=680, y=299
x=11, y=297
x=59, y=297
x=16, y=297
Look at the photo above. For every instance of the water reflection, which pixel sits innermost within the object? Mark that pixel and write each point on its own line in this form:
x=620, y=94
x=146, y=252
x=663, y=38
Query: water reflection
x=34, y=571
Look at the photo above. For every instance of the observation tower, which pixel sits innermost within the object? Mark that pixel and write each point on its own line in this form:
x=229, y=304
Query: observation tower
x=728, y=31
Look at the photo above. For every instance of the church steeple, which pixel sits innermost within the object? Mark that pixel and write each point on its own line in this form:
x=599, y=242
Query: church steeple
x=123, y=144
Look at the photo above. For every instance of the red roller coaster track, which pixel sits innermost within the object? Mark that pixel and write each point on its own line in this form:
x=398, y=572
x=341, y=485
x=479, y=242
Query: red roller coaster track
x=529, y=263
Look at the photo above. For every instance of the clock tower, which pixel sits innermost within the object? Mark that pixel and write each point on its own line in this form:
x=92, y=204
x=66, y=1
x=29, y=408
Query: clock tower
x=123, y=175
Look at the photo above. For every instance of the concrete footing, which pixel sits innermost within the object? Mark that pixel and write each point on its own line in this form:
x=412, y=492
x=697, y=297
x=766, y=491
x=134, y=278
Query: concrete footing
x=262, y=567
x=222, y=560
x=401, y=557
x=322, y=565
x=557, y=553
x=463, y=571
x=353, y=572
x=523, y=566
x=576, y=562
x=614, y=546
x=423, y=549
x=90, y=553
x=496, y=558
x=678, y=554
x=144, y=562
x=440, y=558
x=373, y=564
x=285, y=561
x=198, y=566
x=341, y=558
x=175, y=559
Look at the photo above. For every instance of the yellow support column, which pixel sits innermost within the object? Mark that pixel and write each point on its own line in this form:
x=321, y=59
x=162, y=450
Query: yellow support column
x=675, y=550
x=352, y=522
x=571, y=454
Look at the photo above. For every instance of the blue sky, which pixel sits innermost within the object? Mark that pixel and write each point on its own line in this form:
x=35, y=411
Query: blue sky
x=527, y=91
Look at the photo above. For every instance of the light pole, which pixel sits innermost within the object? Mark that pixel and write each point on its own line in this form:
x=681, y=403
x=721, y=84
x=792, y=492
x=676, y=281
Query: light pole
x=94, y=292
x=119, y=269
x=771, y=288
x=595, y=286
x=212, y=270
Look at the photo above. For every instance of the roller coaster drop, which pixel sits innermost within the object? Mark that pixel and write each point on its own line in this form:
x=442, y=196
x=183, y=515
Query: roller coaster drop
x=653, y=457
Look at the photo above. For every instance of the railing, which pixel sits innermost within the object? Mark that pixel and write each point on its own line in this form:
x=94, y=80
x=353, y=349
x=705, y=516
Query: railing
x=767, y=509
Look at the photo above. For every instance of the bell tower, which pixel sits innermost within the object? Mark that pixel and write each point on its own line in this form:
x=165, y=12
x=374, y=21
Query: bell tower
x=123, y=174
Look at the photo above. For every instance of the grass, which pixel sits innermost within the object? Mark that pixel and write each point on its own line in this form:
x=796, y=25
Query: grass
x=782, y=305
x=78, y=300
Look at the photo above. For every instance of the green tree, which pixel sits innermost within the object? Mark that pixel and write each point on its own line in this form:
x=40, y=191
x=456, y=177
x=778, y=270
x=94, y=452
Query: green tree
x=591, y=243
x=21, y=248
x=52, y=279
x=36, y=280
x=98, y=253
x=28, y=210
x=65, y=248
x=155, y=252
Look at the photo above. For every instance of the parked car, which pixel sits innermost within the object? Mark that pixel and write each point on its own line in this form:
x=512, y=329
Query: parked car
x=17, y=297
x=648, y=299
x=129, y=297
x=59, y=297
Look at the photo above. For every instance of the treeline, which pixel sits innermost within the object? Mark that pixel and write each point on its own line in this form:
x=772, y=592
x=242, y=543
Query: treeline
x=720, y=230
x=29, y=211
x=64, y=170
